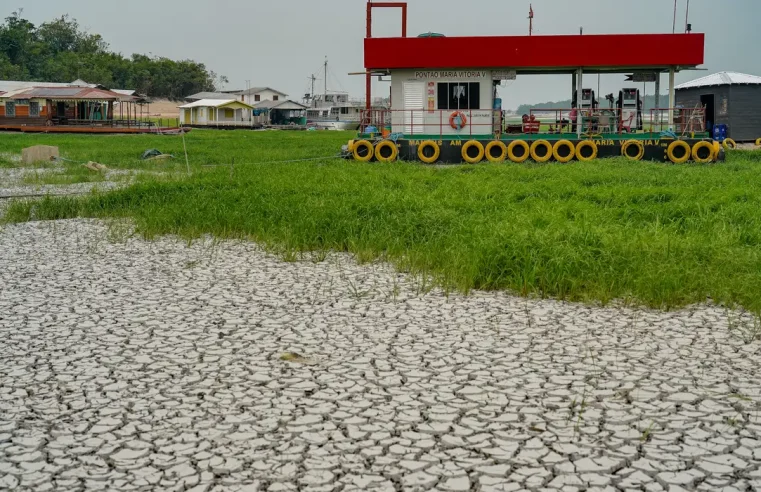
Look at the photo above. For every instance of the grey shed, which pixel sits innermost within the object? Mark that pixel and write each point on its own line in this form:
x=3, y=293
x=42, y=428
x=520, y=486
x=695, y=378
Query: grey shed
x=730, y=98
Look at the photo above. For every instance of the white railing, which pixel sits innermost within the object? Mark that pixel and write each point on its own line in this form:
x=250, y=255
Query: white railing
x=227, y=123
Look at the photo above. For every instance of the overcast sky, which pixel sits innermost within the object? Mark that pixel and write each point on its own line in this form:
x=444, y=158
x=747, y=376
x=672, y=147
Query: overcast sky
x=279, y=43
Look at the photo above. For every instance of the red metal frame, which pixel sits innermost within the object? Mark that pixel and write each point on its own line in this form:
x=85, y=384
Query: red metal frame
x=370, y=6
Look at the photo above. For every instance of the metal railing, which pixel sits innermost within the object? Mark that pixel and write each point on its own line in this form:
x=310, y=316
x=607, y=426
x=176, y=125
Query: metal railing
x=128, y=123
x=432, y=122
x=585, y=121
x=568, y=121
x=686, y=120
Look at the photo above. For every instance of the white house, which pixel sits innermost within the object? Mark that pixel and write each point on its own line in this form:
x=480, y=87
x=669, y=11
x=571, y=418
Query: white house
x=217, y=112
x=258, y=94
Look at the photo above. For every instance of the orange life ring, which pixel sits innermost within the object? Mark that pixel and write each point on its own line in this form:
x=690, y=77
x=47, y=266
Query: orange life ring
x=453, y=122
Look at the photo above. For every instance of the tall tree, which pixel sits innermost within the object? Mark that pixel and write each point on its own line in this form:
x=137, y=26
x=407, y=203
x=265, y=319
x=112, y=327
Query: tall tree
x=61, y=51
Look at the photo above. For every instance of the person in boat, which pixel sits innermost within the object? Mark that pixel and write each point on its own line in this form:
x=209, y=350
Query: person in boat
x=573, y=115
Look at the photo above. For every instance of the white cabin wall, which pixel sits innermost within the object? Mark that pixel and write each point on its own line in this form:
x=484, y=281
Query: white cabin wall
x=438, y=122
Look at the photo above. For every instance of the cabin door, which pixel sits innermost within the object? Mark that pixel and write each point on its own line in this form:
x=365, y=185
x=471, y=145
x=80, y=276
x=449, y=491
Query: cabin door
x=413, y=106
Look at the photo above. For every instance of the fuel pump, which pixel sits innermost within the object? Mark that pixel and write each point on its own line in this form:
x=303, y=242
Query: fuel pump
x=630, y=107
x=588, y=100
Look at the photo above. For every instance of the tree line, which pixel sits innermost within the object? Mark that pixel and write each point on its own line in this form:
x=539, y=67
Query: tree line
x=649, y=103
x=61, y=51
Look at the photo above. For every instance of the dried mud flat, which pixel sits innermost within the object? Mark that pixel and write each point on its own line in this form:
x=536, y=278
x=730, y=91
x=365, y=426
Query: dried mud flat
x=137, y=365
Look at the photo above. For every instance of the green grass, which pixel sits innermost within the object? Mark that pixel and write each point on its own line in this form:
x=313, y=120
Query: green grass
x=65, y=176
x=205, y=147
x=651, y=233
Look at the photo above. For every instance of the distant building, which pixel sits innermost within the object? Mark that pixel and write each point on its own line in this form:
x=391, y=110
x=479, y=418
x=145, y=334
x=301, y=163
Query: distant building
x=283, y=112
x=31, y=105
x=231, y=113
x=730, y=98
x=217, y=113
x=258, y=94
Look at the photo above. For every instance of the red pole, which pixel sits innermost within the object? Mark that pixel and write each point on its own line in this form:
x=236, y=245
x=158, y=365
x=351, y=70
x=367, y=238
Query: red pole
x=404, y=20
x=368, y=77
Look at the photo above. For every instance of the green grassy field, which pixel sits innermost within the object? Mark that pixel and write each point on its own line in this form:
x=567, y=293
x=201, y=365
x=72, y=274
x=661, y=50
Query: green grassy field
x=651, y=233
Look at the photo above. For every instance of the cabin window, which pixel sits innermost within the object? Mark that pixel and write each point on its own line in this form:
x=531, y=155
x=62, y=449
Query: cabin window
x=275, y=98
x=257, y=97
x=10, y=108
x=344, y=110
x=459, y=95
x=34, y=108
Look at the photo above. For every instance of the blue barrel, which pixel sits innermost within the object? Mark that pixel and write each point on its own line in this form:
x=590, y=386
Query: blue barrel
x=719, y=132
x=497, y=103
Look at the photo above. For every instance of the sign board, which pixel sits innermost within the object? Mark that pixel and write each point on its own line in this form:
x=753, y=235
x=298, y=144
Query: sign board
x=431, y=97
x=641, y=77
x=450, y=74
x=504, y=75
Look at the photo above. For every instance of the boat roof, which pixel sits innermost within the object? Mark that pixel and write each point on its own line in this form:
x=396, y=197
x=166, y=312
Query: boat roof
x=594, y=53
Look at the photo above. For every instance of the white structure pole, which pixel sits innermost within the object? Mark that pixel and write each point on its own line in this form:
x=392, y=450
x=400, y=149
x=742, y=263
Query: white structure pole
x=579, y=114
x=657, y=113
x=672, y=98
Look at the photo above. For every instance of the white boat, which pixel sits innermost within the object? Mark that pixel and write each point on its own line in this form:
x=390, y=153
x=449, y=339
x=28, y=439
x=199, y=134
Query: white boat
x=332, y=110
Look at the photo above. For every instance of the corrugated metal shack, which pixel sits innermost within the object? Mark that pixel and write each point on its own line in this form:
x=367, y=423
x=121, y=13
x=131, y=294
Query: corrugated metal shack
x=730, y=98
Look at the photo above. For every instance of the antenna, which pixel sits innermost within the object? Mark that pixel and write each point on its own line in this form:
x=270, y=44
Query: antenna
x=673, y=28
x=326, y=79
x=530, y=19
x=687, y=18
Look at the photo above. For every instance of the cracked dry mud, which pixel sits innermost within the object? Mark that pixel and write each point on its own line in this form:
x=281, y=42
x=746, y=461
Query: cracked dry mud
x=137, y=365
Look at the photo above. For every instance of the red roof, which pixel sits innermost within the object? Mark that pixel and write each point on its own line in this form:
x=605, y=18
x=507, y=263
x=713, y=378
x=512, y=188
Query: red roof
x=601, y=52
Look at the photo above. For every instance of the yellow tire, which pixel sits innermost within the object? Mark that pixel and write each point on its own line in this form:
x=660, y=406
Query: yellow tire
x=386, y=151
x=633, y=150
x=716, y=150
x=350, y=146
x=424, y=156
x=501, y=148
x=541, y=151
x=363, y=151
x=518, y=151
x=703, y=152
x=758, y=142
x=473, y=159
x=564, y=151
x=728, y=144
x=679, y=152
x=586, y=150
